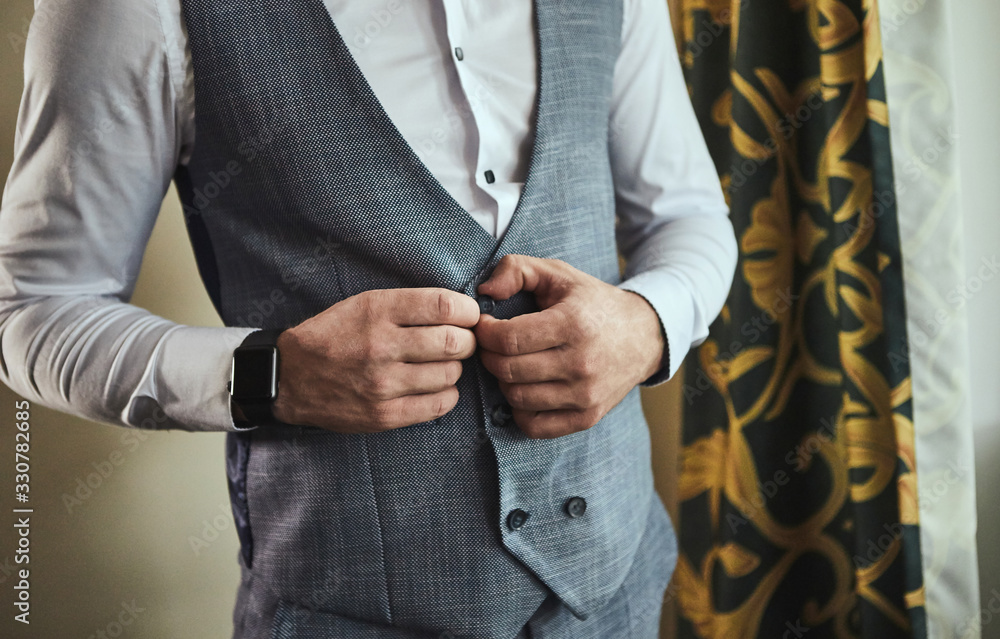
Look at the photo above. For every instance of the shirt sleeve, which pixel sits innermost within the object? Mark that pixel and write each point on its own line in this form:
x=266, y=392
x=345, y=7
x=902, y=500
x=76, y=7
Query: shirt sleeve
x=95, y=149
x=673, y=227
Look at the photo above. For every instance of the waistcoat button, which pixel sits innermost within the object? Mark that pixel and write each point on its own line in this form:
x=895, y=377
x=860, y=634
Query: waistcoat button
x=516, y=518
x=486, y=304
x=576, y=506
x=502, y=415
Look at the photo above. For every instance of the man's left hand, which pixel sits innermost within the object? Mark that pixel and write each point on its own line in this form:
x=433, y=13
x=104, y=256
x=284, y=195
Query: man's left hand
x=563, y=368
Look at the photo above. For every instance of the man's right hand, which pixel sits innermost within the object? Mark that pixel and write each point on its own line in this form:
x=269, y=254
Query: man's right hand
x=379, y=360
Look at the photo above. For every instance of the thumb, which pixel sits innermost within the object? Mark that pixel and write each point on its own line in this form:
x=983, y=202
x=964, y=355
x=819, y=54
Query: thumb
x=515, y=273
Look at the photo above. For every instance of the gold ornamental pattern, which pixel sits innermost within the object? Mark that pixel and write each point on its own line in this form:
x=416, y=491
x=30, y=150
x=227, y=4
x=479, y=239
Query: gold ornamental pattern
x=798, y=490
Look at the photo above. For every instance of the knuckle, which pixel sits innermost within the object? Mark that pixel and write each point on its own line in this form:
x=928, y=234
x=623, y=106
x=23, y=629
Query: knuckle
x=382, y=416
x=507, y=370
x=378, y=385
x=588, y=419
x=367, y=304
x=585, y=327
x=452, y=342
x=516, y=396
x=589, y=394
x=509, y=343
x=446, y=305
x=372, y=349
x=444, y=403
x=585, y=367
x=441, y=406
x=453, y=372
x=532, y=429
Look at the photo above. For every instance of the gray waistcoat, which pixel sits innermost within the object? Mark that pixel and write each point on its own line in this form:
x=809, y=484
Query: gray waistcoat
x=301, y=192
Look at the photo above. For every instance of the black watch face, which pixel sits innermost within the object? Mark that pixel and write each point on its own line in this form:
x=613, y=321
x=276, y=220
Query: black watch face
x=255, y=373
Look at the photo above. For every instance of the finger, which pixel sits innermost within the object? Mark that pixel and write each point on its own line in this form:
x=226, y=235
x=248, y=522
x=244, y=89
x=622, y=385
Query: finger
x=400, y=380
x=435, y=343
x=544, y=366
x=514, y=273
x=426, y=307
x=543, y=396
x=414, y=409
x=554, y=423
x=528, y=333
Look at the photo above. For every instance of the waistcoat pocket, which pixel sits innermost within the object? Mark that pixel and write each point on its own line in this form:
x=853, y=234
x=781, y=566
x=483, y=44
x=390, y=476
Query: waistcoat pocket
x=293, y=621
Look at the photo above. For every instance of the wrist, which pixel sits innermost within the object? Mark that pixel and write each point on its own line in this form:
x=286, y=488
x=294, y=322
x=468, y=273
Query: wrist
x=281, y=407
x=253, y=384
x=649, y=337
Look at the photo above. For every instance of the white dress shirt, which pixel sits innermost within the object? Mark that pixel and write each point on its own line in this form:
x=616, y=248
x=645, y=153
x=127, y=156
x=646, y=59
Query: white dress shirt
x=108, y=114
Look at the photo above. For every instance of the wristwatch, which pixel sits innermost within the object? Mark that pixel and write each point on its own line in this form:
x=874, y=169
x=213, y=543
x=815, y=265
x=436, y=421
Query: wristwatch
x=253, y=384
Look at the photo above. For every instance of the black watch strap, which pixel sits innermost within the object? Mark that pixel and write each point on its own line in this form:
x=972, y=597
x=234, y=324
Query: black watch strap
x=262, y=338
x=259, y=412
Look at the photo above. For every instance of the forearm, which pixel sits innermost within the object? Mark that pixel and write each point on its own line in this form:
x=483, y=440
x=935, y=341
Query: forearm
x=674, y=231
x=106, y=360
x=99, y=136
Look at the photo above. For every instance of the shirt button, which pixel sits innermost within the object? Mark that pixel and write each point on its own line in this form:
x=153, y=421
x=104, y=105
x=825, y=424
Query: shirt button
x=502, y=415
x=490, y=178
x=516, y=518
x=486, y=304
x=575, y=506
x=459, y=53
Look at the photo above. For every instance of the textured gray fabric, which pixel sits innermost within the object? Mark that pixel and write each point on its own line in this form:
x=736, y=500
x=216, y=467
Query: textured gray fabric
x=323, y=199
x=633, y=612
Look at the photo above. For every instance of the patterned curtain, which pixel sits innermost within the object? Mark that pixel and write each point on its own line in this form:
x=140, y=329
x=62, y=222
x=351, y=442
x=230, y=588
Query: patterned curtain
x=799, y=513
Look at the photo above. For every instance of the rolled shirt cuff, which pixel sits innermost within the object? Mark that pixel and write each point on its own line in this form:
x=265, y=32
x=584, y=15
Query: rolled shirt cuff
x=672, y=302
x=184, y=385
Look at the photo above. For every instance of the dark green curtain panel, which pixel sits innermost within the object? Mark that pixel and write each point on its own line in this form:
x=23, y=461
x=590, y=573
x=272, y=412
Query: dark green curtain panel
x=798, y=496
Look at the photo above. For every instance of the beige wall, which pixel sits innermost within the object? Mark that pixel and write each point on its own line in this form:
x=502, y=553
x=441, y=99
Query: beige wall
x=129, y=540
